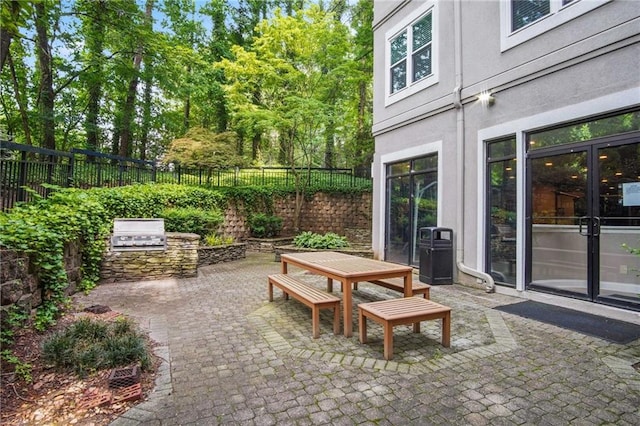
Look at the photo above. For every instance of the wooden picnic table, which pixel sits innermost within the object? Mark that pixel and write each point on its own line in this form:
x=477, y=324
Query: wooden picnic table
x=348, y=270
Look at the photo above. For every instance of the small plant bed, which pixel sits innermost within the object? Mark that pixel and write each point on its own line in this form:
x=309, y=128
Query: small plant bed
x=47, y=390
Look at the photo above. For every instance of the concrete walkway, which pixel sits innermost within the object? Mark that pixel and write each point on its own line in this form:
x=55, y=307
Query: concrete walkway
x=231, y=357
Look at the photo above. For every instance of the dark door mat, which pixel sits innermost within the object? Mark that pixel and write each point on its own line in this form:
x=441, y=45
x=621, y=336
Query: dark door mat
x=593, y=325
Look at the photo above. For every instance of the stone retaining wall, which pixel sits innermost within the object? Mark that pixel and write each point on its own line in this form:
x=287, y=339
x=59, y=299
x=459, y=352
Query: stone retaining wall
x=19, y=286
x=345, y=214
x=180, y=259
x=219, y=254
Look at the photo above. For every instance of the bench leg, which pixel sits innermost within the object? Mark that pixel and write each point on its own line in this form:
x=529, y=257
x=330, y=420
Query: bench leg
x=388, y=340
x=446, y=330
x=426, y=294
x=270, y=291
x=416, y=327
x=315, y=320
x=336, y=319
x=362, y=325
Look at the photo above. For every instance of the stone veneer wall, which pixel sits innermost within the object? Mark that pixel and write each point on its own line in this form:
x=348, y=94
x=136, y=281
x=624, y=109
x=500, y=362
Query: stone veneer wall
x=180, y=259
x=344, y=214
x=19, y=286
x=218, y=254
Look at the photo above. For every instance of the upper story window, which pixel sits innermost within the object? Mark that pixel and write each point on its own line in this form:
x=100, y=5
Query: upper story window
x=522, y=20
x=411, y=49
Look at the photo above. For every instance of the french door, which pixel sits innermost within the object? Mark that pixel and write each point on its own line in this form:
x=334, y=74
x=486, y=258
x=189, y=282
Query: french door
x=583, y=220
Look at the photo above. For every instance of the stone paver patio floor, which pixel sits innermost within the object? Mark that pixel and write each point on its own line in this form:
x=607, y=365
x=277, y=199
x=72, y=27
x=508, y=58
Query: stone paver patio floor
x=231, y=357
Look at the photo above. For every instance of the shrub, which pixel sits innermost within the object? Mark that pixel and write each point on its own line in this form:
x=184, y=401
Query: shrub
x=191, y=220
x=262, y=225
x=329, y=240
x=89, y=345
x=217, y=240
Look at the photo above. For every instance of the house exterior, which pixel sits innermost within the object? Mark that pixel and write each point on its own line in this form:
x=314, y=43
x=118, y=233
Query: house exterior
x=515, y=123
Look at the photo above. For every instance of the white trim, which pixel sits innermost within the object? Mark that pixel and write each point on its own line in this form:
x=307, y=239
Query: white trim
x=412, y=88
x=519, y=127
x=559, y=15
x=393, y=157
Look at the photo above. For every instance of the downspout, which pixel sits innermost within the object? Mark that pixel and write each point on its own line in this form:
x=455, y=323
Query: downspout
x=460, y=148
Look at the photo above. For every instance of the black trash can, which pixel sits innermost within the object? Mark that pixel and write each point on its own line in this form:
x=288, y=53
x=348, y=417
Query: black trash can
x=436, y=255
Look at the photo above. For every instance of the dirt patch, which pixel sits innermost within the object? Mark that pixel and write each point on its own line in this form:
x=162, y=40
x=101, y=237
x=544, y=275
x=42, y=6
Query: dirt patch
x=62, y=398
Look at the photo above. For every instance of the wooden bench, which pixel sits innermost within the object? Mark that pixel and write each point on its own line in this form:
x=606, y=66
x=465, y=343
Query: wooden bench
x=397, y=284
x=310, y=296
x=406, y=310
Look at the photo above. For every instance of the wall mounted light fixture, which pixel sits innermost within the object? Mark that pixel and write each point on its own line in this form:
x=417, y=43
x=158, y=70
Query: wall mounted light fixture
x=486, y=98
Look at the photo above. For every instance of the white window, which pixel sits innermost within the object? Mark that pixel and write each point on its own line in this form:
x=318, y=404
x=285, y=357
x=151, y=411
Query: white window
x=410, y=54
x=522, y=20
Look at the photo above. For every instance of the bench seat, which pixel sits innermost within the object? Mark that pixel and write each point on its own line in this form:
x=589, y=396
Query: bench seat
x=397, y=284
x=310, y=296
x=406, y=310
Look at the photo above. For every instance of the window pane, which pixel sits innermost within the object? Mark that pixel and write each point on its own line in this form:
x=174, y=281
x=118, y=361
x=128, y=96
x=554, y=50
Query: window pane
x=422, y=63
x=398, y=168
x=524, y=12
x=500, y=149
x=422, y=32
x=586, y=131
x=425, y=163
x=399, y=48
x=399, y=76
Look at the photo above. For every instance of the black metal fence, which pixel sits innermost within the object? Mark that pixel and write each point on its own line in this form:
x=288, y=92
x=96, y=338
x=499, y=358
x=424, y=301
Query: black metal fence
x=25, y=169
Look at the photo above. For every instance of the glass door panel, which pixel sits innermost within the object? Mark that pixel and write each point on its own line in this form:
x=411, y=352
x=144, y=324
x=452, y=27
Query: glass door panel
x=425, y=208
x=560, y=223
x=619, y=214
x=398, y=221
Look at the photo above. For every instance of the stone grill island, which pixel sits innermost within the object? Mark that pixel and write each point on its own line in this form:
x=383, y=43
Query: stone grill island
x=141, y=250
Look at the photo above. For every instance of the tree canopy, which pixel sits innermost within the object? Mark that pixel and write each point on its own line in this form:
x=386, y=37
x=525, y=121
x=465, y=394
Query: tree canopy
x=282, y=82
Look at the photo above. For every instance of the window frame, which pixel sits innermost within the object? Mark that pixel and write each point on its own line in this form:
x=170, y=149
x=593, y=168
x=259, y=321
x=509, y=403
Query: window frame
x=558, y=15
x=406, y=26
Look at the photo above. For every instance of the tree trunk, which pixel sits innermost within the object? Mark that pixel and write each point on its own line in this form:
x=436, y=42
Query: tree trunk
x=7, y=35
x=130, y=101
x=46, y=78
x=95, y=45
x=329, y=146
x=23, y=112
x=146, y=110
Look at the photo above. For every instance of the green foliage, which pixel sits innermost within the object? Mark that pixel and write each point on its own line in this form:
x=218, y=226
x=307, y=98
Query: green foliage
x=262, y=225
x=328, y=240
x=22, y=369
x=88, y=346
x=43, y=227
x=14, y=318
x=191, y=219
x=148, y=201
x=213, y=240
x=204, y=148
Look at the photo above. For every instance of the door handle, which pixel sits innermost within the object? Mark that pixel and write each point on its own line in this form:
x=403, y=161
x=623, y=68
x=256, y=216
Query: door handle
x=596, y=226
x=583, y=220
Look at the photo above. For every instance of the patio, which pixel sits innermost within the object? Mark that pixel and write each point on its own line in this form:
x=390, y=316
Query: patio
x=231, y=357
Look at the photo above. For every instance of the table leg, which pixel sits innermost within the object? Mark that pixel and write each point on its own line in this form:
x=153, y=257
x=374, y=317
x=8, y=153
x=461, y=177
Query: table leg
x=329, y=285
x=283, y=266
x=348, y=307
x=408, y=285
x=362, y=324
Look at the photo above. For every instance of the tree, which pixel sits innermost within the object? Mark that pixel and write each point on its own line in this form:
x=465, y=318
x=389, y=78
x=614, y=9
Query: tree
x=125, y=148
x=13, y=14
x=46, y=95
x=203, y=148
x=296, y=62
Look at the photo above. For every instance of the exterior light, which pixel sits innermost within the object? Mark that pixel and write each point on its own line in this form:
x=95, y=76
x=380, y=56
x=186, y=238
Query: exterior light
x=486, y=98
